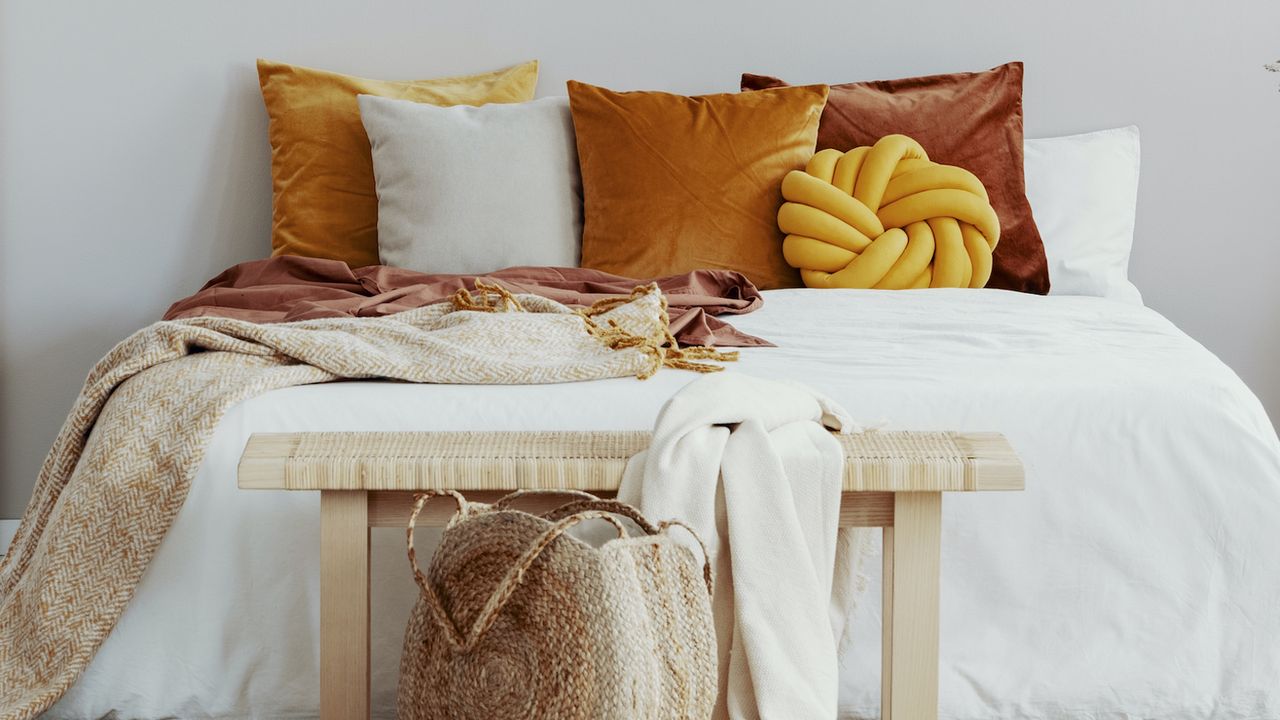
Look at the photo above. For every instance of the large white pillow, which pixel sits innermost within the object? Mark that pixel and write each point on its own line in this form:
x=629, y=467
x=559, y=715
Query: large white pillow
x=475, y=189
x=1084, y=196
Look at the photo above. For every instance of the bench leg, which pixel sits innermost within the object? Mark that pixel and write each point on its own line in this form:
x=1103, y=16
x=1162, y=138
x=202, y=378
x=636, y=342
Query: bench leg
x=912, y=548
x=344, y=605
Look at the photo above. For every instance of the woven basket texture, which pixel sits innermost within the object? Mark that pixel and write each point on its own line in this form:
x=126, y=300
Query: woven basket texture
x=623, y=630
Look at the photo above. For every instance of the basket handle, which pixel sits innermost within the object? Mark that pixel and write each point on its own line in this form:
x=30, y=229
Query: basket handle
x=433, y=600
x=506, y=500
x=610, y=506
x=707, y=576
x=515, y=576
x=584, y=498
x=620, y=508
x=509, y=584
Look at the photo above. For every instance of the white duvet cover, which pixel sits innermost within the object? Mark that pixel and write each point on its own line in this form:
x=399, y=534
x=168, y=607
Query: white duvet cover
x=1138, y=576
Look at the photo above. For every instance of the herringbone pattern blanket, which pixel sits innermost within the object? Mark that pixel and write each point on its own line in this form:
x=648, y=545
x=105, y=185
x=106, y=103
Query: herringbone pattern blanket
x=121, y=466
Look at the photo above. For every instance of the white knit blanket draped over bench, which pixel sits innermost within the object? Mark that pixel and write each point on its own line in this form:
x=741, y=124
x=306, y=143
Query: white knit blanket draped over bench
x=750, y=464
x=124, y=460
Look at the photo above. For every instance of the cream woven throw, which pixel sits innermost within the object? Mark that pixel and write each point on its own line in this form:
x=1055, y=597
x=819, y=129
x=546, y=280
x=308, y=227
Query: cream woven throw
x=750, y=465
x=121, y=466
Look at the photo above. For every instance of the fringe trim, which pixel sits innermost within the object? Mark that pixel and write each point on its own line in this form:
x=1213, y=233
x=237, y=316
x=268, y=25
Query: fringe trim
x=666, y=353
x=488, y=298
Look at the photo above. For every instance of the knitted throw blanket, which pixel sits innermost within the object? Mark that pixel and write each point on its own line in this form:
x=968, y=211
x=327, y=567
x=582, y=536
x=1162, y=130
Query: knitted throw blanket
x=120, y=469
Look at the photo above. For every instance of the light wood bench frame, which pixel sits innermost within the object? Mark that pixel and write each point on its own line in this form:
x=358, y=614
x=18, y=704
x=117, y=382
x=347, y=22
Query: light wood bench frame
x=892, y=481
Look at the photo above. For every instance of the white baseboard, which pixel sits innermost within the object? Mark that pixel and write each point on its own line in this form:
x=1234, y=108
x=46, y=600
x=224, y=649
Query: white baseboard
x=7, y=529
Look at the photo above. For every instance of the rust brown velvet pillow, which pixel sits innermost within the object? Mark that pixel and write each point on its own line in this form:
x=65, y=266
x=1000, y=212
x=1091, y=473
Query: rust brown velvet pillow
x=672, y=183
x=973, y=120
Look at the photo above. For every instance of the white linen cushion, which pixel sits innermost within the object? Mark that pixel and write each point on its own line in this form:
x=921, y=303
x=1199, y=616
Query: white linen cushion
x=475, y=189
x=1083, y=191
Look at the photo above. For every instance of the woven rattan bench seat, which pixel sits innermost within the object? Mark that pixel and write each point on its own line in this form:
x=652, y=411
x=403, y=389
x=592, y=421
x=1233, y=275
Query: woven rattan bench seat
x=874, y=461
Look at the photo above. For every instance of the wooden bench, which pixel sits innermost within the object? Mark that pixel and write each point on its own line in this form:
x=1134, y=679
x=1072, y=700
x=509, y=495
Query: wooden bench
x=892, y=480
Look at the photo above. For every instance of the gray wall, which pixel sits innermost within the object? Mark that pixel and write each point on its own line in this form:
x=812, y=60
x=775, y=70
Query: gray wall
x=134, y=160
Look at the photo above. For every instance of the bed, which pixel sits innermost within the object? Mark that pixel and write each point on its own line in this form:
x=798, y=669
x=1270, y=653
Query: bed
x=1132, y=579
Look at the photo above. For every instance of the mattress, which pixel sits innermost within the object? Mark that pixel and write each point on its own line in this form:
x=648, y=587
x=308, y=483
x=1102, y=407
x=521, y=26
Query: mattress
x=1137, y=575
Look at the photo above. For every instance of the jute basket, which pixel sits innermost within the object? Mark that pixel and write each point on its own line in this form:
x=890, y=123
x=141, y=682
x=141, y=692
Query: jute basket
x=517, y=619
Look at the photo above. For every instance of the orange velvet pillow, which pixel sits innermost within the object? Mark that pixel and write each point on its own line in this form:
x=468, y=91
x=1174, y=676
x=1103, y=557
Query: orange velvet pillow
x=324, y=203
x=673, y=183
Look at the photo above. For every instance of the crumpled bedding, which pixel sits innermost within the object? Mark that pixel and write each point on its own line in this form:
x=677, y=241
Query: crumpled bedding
x=120, y=469
x=1136, y=577
x=288, y=288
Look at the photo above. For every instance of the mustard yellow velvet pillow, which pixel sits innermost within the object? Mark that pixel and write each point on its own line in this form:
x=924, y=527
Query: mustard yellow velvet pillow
x=323, y=198
x=673, y=183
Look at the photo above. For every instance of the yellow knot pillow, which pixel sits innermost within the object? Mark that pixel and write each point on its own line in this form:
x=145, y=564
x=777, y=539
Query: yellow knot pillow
x=886, y=217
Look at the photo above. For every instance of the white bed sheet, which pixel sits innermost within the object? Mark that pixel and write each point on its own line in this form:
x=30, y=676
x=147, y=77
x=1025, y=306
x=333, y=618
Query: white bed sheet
x=1137, y=576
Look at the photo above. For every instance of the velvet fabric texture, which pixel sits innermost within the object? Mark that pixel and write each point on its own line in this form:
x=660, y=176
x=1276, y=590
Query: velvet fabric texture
x=323, y=199
x=971, y=120
x=673, y=183
x=288, y=289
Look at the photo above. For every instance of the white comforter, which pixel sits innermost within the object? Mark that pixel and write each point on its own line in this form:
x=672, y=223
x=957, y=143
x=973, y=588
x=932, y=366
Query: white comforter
x=1137, y=576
